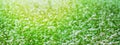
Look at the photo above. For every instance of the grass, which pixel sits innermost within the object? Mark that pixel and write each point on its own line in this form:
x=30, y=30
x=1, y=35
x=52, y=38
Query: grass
x=59, y=22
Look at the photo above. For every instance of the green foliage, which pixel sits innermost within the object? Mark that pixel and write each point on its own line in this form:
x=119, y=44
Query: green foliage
x=59, y=22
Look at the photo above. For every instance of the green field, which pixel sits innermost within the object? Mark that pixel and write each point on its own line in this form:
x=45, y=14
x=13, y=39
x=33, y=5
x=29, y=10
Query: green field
x=59, y=22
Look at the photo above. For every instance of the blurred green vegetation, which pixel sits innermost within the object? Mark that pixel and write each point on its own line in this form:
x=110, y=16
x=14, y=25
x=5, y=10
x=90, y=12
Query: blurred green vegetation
x=59, y=22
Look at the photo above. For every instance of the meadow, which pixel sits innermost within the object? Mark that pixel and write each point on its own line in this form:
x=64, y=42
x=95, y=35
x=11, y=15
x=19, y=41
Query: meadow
x=59, y=22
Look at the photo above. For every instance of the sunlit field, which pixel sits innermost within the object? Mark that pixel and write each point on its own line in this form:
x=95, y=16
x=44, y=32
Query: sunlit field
x=59, y=22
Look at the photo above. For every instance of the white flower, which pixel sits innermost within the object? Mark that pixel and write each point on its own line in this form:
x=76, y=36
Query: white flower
x=26, y=27
x=76, y=32
x=51, y=27
x=118, y=33
x=114, y=35
x=45, y=20
x=10, y=40
x=64, y=43
x=110, y=43
x=26, y=18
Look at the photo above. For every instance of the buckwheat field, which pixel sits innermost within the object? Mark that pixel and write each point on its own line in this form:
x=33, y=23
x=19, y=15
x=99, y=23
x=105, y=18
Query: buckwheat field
x=59, y=22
